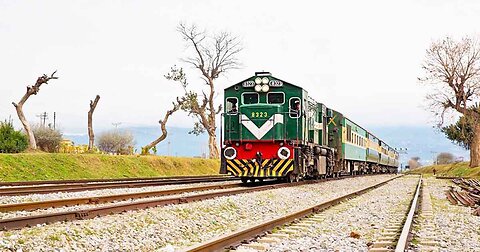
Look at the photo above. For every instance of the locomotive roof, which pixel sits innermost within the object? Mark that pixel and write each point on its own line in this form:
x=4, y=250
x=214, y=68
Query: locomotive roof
x=263, y=74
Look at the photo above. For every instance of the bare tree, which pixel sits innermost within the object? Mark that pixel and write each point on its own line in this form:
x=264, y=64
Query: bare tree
x=31, y=90
x=453, y=67
x=91, y=136
x=414, y=162
x=213, y=56
x=445, y=158
x=163, y=125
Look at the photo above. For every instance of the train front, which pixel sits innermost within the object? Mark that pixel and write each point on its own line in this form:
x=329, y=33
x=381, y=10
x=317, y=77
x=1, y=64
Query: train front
x=258, y=112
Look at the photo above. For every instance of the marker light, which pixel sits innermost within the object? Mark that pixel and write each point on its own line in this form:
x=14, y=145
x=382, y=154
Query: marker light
x=258, y=88
x=258, y=80
x=265, y=80
x=265, y=88
x=283, y=153
x=230, y=153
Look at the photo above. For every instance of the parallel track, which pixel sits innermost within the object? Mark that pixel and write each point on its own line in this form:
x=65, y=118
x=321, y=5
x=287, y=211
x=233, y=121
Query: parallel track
x=236, y=238
x=83, y=181
x=76, y=187
x=28, y=221
x=399, y=236
x=109, y=198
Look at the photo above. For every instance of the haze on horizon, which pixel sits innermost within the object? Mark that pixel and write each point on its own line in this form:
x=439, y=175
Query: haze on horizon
x=361, y=58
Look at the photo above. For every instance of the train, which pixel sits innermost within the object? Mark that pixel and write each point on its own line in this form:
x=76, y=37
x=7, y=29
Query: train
x=271, y=128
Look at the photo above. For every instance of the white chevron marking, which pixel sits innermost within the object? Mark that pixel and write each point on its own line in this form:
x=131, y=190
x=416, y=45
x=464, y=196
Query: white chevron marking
x=265, y=128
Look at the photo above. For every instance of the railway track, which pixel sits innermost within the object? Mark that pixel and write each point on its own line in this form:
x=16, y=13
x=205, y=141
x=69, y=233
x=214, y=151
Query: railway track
x=83, y=186
x=27, y=221
x=81, y=181
x=397, y=235
x=236, y=238
x=28, y=206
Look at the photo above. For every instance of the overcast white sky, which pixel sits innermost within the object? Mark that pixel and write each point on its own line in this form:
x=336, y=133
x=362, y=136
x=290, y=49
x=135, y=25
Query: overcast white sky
x=359, y=57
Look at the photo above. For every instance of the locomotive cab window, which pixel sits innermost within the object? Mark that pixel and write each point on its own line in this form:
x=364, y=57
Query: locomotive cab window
x=231, y=105
x=250, y=98
x=295, y=107
x=275, y=98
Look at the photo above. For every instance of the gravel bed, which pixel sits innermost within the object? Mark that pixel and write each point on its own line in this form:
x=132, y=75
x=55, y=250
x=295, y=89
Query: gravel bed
x=99, y=192
x=88, y=206
x=366, y=216
x=177, y=226
x=456, y=228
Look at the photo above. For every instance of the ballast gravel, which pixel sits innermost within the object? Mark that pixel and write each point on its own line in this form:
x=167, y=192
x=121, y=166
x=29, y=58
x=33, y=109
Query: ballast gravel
x=456, y=228
x=178, y=226
x=98, y=192
x=366, y=216
x=14, y=214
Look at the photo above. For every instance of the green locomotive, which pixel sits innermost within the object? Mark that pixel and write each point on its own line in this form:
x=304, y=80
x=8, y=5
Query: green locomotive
x=273, y=129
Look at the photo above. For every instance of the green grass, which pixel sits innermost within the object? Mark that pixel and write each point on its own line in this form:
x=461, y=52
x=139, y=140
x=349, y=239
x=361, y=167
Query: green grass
x=47, y=166
x=457, y=169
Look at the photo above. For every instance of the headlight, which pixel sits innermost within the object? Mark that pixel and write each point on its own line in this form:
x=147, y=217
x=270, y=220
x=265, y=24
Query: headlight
x=258, y=80
x=265, y=80
x=265, y=88
x=230, y=153
x=258, y=88
x=283, y=153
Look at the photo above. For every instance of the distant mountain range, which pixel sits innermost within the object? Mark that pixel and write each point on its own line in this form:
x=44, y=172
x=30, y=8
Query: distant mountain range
x=424, y=142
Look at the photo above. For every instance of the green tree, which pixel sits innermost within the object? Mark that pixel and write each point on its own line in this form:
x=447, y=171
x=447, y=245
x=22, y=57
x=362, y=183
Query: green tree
x=11, y=141
x=461, y=132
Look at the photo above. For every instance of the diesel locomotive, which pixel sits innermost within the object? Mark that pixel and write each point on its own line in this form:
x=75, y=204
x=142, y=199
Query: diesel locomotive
x=273, y=129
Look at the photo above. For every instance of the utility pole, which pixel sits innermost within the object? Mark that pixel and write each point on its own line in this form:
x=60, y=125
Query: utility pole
x=54, y=119
x=434, y=161
x=402, y=151
x=43, y=117
x=168, y=148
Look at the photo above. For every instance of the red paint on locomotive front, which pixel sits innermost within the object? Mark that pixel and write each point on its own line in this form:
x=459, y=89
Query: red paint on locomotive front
x=248, y=150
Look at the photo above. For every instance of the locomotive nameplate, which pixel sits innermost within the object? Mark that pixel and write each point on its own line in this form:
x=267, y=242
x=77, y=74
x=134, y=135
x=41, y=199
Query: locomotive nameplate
x=275, y=83
x=248, y=84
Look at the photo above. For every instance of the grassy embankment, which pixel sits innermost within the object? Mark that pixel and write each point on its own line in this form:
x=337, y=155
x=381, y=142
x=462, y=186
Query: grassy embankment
x=457, y=170
x=45, y=166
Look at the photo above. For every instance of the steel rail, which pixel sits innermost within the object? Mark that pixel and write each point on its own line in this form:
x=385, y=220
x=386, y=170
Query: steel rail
x=28, y=221
x=237, y=237
x=448, y=177
x=109, y=198
x=43, y=189
x=81, y=181
x=407, y=226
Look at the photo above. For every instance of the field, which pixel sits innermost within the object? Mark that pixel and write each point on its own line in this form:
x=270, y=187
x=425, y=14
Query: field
x=46, y=166
x=457, y=169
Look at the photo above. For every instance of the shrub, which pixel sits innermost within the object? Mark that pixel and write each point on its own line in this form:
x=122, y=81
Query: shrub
x=117, y=142
x=48, y=139
x=445, y=158
x=11, y=141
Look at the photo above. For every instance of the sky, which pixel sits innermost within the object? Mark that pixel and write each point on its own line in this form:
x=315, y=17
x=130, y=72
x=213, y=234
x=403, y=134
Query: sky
x=359, y=57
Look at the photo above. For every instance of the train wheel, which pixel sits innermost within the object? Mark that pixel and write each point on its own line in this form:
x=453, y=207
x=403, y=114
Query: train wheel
x=244, y=180
x=291, y=178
